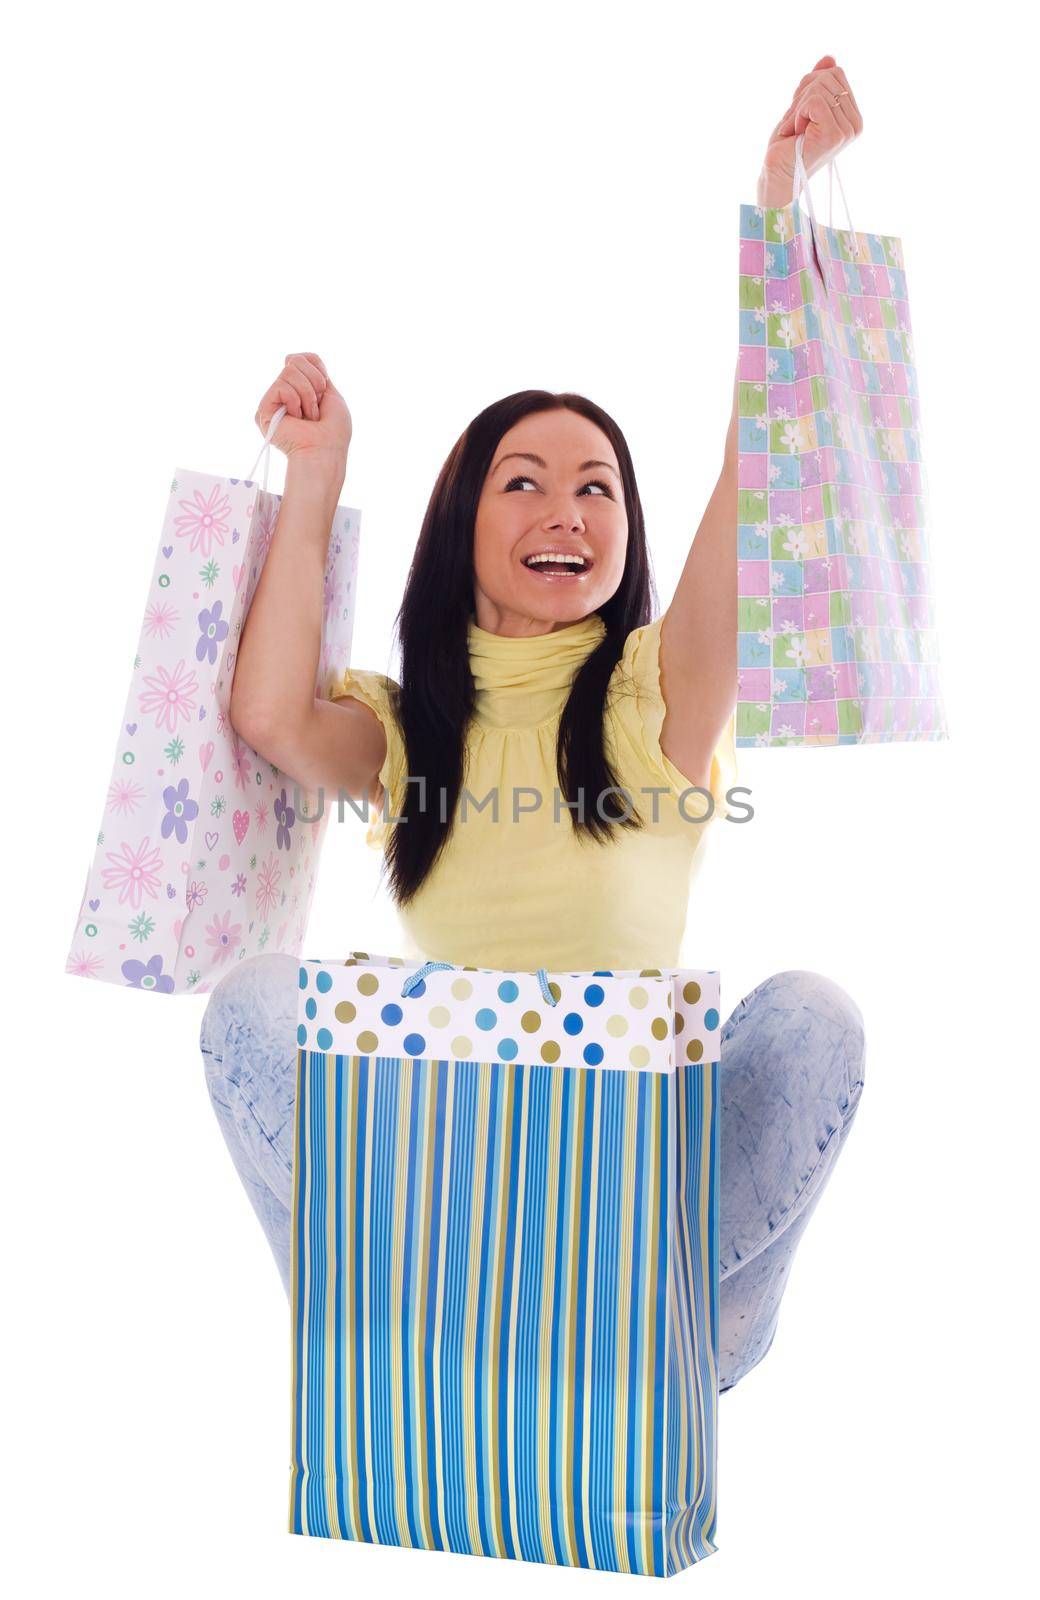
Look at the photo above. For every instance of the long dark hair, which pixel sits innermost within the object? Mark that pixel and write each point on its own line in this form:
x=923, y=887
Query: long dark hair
x=437, y=695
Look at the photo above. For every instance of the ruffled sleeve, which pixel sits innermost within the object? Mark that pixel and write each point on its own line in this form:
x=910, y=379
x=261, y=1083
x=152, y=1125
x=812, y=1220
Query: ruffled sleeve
x=638, y=709
x=379, y=693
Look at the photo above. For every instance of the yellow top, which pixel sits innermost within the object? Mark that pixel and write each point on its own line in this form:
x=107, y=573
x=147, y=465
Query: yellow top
x=521, y=892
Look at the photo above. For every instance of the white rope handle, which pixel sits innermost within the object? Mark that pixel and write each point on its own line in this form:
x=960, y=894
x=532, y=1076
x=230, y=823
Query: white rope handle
x=265, y=448
x=801, y=181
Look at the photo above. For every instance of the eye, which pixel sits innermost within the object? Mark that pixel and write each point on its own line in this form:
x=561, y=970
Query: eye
x=593, y=483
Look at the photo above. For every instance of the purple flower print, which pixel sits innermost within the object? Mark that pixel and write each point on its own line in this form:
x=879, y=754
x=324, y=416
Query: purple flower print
x=286, y=817
x=212, y=630
x=147, y=975
x=180, y=810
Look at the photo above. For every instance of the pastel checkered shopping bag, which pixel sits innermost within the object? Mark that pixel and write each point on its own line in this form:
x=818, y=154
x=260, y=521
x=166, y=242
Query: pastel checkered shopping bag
x=836, y=623
x=505, y=1262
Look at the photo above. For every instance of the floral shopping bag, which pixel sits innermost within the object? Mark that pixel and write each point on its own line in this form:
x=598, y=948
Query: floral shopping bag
x=505, y=1261
x=836, y=629
x=203, y=856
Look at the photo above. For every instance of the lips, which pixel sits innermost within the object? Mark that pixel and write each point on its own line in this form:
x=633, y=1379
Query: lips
x=558, y=564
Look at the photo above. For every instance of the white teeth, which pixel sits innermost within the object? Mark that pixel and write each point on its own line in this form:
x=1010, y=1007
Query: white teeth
x=549, y=555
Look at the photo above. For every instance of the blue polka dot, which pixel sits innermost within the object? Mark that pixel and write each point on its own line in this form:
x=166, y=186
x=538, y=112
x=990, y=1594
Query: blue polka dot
x=593, y=1054
x=392, y=1014
x=301, y=1034
x=572, y=1023
x=414, y=1044
x=507, y=990
x=303, y=977
x=311, y=1008
x=485, y=1018
x=324, y=982
x=593, y=995
x=419, y=989
x=507, y=1049
x=324, y=1039
x=603, y=972
x=711, y=1018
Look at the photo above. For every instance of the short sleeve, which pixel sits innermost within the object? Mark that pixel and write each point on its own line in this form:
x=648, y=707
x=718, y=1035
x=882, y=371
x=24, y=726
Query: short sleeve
x=639, y=710
x=379, y=693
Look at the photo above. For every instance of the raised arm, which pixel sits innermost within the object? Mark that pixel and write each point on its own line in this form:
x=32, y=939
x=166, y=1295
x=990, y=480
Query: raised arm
x=273, y=707
x=699, y=630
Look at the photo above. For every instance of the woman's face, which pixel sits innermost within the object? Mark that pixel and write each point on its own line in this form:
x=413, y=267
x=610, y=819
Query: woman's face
x=570, y=500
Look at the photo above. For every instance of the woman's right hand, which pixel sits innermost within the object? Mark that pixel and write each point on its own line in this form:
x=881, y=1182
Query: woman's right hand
x=316, y=419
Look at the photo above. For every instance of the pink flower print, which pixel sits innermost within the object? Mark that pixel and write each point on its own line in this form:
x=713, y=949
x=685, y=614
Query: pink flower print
x=170, y=697
x=194, y=895
x=124, y=796
x=85, y=964
x=265, y=521
x=134, y=872
x=224, y=937
x=261, y=813
x=241, y=765
x=160, y=620
x=204, y=520
x=267, y=880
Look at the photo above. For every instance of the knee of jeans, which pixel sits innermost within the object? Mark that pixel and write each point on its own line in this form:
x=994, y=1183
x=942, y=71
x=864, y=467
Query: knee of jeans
x=223, y=1009
x=834, y=1009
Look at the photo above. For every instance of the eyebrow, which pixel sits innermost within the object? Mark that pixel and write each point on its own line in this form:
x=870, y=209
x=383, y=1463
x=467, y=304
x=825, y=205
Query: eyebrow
x=527, y=455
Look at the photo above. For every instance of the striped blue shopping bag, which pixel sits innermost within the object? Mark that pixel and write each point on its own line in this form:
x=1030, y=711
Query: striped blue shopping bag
x=505, y=1261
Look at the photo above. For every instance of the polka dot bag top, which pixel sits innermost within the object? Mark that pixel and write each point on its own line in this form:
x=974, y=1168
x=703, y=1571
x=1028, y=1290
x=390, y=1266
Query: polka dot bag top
x=646, y=1020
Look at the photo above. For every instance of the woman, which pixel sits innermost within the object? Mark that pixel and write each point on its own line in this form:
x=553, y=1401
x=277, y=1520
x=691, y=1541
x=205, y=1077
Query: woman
x=552, y=756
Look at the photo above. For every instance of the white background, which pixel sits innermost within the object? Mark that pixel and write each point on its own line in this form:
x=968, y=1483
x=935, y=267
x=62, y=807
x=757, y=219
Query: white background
x=448, y=203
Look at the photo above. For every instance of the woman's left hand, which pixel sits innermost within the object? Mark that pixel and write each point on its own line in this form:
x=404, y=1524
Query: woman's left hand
x=824, y=108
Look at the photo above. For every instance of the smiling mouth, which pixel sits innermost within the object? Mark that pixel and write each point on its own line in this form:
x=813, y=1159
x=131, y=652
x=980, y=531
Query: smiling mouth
x=554, y=564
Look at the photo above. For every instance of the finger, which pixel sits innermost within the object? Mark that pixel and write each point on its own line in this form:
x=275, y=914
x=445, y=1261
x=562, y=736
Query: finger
x=296, y=373
x=816, y=110
x=309, y=372
x=318, y=362
x=281, y=393
x=848, y=103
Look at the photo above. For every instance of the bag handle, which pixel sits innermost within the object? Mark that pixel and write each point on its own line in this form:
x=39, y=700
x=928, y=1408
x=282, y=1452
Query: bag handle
x=265, y=448
x=416, y=977
x=801, y=181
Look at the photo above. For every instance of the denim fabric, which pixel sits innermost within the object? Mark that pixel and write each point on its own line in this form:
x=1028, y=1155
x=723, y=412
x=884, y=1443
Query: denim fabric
x=791, y=1077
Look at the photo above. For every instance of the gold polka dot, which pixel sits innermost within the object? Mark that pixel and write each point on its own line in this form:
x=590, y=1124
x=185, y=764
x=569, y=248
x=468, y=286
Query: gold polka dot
x=691, y=992
x=368, y=983
x=554, y=989
x=638, y=997
x=550, y=1051
x=650, y=972
x=659, y=1027
x=463, y=1047
x=462, y=988
x=616, y=1026
x=440, y=1016
x=668, y=1000
x=366, y=1042
x=694, y=1050
x=639, y=1055
x=346, y=1011
x=471, y=969
x=680, y=1022
x=531, y=1021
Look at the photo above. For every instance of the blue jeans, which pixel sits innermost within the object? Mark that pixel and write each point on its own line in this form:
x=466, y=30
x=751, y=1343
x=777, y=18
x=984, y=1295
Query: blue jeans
x=791, y=1077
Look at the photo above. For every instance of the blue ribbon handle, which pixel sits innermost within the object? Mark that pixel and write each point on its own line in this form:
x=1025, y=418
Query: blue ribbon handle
x=415, y=978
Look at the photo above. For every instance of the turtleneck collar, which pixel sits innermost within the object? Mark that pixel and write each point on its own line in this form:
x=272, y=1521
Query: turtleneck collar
x=523, y=682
